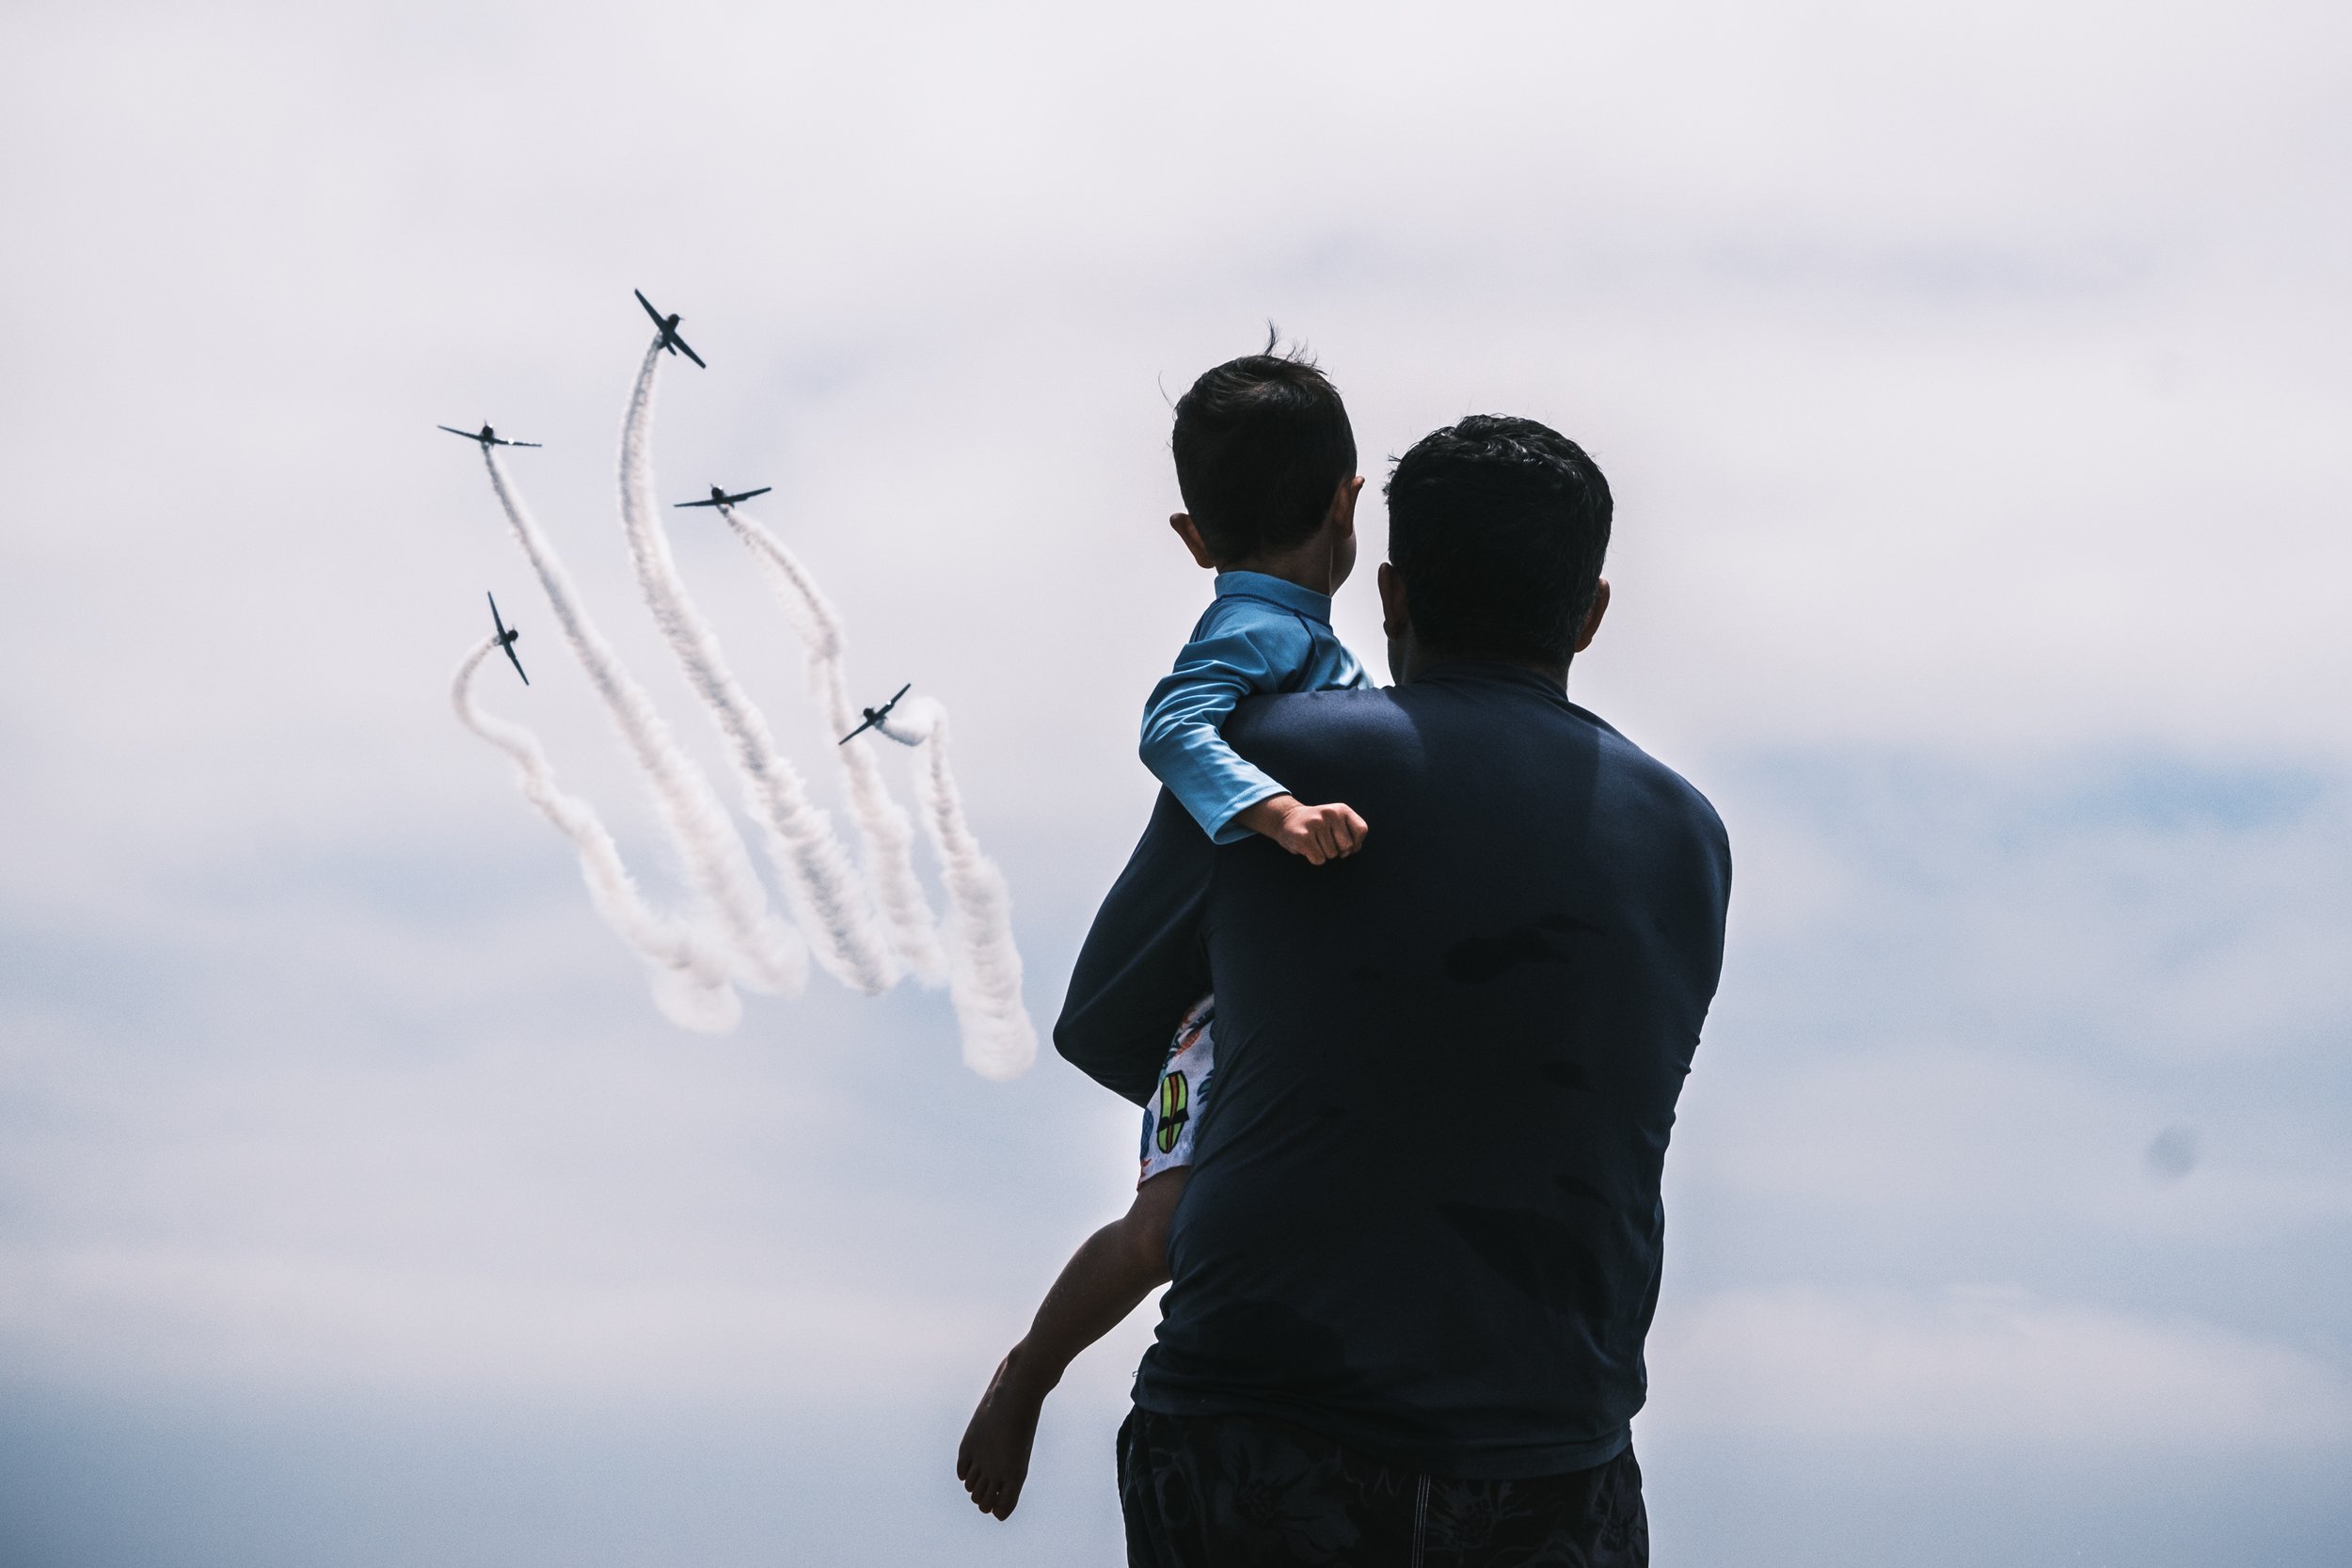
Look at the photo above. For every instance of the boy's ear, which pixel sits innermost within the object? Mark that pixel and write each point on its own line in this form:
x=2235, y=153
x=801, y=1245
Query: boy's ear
x=1186, y=531
x=1343, y=504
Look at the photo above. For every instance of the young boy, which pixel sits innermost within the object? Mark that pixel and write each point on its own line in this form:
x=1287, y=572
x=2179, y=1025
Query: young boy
x=1265, y=460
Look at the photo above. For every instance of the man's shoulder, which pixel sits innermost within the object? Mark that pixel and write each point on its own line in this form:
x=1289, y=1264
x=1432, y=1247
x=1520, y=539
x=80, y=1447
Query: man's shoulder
x=1645, y=790
x=1651, y=777
x=1388, y=725
x=1335, y=720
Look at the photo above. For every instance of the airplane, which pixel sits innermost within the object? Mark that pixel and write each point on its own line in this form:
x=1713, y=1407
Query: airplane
x=507, y=638
x=720, y=498
x=876, y=715
x=669, y=339
x=487, y=436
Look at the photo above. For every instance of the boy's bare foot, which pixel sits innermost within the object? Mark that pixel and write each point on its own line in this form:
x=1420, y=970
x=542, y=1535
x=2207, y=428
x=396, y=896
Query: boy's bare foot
x=993, y=1458
x=1316, y=833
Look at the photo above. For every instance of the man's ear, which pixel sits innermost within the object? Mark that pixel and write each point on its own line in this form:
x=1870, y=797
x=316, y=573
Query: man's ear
x=1396, y=617
x=1592, y=616
x=1181, y=522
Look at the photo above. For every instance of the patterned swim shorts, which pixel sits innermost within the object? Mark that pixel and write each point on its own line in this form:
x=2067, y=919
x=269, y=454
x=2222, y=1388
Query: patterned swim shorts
x=1175, y=1110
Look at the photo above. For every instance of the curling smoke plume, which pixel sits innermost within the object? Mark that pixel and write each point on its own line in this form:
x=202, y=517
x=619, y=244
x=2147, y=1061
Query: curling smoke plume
x=888, y=836
x=692, y=964
x=984, y=966
x=823, y=883
x=769, y=953
x=689, y=976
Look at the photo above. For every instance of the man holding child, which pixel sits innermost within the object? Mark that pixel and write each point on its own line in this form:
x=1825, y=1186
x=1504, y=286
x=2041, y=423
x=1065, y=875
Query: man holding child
x=1435, y=957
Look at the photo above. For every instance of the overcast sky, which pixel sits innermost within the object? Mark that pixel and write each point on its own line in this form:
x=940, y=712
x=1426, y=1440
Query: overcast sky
x=1972, y=380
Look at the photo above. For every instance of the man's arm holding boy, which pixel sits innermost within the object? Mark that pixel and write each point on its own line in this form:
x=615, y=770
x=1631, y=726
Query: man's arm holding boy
x=1144, y=961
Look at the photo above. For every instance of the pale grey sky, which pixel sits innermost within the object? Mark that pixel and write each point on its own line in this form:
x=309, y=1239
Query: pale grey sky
x=1972, y=380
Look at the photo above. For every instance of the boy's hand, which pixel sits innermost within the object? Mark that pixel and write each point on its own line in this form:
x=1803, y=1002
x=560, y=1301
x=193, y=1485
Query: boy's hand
x=1316, y=833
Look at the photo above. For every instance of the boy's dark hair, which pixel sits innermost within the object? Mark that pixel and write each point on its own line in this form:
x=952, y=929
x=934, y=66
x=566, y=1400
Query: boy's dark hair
x=1262, y=445
x=1498, y=527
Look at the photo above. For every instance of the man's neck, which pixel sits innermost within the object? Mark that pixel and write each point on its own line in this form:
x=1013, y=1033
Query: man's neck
x=1410, y=660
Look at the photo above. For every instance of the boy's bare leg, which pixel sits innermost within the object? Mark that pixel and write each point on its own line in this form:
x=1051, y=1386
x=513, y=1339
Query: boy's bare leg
x=1113, y=1269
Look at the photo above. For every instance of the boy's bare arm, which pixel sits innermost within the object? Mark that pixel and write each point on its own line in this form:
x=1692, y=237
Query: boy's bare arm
x=1317, y=833
x=1112, y=1270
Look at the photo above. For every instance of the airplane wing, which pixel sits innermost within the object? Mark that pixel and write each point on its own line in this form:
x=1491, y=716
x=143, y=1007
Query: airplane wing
x=749, y=494
x=682, y=348
x=694, y=503
x=877, y=715
x=649, y=310
x=519, y=443
x=507, y=638
x=468, y=434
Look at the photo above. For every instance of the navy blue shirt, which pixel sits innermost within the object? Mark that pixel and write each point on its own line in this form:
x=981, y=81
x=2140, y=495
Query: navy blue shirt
x=1423, y=1213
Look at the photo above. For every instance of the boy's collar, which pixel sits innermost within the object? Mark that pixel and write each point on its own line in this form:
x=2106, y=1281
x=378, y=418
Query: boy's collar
x=1281, y=590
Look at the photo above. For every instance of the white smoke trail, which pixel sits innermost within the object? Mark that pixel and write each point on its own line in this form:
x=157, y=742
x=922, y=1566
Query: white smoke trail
x=823, y=882
x=690, y=977
x=887, y=834
x=984, y=966
x=768, y=952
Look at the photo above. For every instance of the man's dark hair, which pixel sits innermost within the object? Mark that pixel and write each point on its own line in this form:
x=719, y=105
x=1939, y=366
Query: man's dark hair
x=1262, y=445
x=1499, y=525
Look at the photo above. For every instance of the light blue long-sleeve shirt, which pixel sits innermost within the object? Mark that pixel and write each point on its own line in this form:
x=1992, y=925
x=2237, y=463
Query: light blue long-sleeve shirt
x=1260, y=635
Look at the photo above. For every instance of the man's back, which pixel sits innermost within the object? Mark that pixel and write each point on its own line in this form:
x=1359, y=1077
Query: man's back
x=1423, y=1215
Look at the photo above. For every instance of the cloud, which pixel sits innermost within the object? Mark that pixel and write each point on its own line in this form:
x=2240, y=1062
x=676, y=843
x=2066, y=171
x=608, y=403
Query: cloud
x=1986, y=1367
x=209, y=1317
x=2152, y=904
